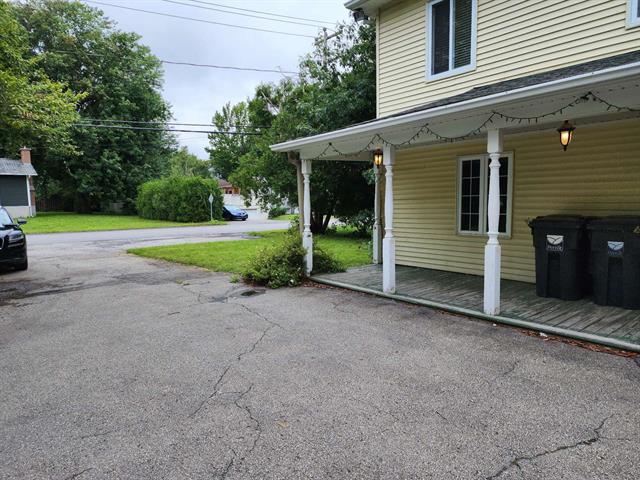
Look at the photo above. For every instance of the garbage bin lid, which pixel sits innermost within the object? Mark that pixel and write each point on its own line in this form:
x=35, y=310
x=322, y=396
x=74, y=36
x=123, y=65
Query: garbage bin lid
x=615, y=222
x=558, y=221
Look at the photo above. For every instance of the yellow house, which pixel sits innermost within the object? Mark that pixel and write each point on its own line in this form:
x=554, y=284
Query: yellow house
x=471, y=95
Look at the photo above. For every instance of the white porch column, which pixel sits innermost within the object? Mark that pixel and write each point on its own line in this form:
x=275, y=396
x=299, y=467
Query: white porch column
x=493, y=251
x=377, y=230
x=389, y=242
x=307, y=237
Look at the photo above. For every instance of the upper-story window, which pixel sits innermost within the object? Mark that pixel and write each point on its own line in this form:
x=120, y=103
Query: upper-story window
x=634, y=13
x=451, y=37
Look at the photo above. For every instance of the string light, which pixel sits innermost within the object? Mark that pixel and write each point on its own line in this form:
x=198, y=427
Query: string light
x=425, y=129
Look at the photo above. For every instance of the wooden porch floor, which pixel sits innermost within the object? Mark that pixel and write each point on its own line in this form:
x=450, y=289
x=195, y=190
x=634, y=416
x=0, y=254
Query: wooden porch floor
x=521, y=306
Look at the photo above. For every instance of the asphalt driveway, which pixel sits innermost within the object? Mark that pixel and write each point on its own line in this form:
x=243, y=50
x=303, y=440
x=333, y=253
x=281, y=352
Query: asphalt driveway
x=120, y=367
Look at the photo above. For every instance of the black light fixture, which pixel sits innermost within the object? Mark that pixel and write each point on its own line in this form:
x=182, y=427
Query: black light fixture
x=566, y=134
x=378, y=157
x=360, y=17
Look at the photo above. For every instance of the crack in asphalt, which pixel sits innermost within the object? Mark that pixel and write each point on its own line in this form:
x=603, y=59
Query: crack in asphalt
x=257, y=429
x=233, y=292
x=239, y=357
x=98, y=434
x=257, y=425
x=215, y=391
x=31, y=289
x=515, y=462
x=77, y=474
x=511, y=369
x=229, y=465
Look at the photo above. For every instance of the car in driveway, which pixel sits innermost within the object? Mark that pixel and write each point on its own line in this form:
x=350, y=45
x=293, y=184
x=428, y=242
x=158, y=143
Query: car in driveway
x=13, y=242
x=230, y=212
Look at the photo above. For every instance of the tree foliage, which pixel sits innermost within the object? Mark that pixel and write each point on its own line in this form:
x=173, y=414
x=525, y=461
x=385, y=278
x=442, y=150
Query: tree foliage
x=33, y=108
x=185, y=164
x=118, y=78
x=225, y=150
x=336, y=88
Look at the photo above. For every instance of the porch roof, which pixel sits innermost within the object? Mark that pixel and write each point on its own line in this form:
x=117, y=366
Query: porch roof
x=615, y=79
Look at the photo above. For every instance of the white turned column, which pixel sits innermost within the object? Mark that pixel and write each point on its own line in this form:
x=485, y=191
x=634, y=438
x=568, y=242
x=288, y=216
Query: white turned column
x=307, y=237
x=377, y=229
x=493, y=251
x=389, y=242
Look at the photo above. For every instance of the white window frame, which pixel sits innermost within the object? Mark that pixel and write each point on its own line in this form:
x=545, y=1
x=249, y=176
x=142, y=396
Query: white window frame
x=484, y=181
x=633, y=19
x=429, y=37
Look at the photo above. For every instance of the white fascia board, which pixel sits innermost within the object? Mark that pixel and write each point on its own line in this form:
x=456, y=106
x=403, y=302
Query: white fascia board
x=583, y=80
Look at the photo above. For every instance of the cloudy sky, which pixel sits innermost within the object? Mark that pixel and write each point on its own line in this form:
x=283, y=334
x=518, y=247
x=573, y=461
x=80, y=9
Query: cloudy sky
x=196, y=93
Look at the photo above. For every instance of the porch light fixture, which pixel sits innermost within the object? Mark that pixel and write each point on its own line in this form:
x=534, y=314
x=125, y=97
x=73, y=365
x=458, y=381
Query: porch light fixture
x=377, y=157
x=566, y=134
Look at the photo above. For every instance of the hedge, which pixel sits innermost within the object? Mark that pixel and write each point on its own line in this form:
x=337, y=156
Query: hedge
x=179, y=199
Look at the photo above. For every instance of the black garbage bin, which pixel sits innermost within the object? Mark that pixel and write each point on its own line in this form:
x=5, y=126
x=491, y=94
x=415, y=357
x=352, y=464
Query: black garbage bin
x=562, y=256
x=615, y=261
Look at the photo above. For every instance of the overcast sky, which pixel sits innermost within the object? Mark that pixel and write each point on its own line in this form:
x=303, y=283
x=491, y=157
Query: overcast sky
x=196, y=93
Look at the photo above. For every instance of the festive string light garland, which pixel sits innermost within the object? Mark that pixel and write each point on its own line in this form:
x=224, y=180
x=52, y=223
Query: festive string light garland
x=378, y=139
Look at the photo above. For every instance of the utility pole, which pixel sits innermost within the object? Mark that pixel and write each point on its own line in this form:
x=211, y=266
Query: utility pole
x=326, y=38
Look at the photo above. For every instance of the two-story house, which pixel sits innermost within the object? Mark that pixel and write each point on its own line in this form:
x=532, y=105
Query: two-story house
x=477, y=103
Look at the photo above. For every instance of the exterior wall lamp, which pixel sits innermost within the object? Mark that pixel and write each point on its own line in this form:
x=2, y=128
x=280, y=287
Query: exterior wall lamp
x=377, y=157
x=566, y=134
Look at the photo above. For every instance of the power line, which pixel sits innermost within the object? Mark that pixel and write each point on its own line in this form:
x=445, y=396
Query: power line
x=200, y=20
x=157, y=129
x=262, y=12
x=242, y=14
x=190, y=64
x=268, y=70
x=159, y=122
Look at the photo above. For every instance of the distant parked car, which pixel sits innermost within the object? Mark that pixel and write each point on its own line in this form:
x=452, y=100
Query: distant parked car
x=229, y=212
x=13, y=242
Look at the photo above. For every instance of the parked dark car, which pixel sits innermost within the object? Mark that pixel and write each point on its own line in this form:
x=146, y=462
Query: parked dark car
x=229, y=212
x=13, y=242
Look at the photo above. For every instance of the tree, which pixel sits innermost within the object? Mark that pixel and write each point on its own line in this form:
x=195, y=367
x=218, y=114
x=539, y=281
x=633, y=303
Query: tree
x=336, y=88
x=120, y=78
x=226, y=150
x=34, y=110
x=185, y=164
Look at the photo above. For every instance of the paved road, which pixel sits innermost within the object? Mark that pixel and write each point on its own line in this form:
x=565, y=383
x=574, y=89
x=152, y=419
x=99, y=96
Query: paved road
x=157, y=236
x=118, y=367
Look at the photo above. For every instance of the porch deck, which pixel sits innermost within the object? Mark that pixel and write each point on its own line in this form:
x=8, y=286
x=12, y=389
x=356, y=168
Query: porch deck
x=460, y=293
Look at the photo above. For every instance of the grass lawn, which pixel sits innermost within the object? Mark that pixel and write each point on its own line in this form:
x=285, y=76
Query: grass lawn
x=53, y=222
x=287, y=217
x=232, y=256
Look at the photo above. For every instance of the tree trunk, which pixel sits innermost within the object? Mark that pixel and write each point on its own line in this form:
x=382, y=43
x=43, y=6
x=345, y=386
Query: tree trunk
x=320, y=222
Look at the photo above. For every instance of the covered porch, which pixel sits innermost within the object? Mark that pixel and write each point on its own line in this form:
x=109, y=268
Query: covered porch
x=479, y=260
x=520, y=306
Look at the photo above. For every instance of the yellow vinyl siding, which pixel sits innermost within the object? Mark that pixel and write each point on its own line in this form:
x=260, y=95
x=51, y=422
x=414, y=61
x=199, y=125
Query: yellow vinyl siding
x=515, y=39
x=598, y=175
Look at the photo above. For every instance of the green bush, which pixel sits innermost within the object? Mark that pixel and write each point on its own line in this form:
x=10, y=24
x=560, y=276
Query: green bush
x=323, y=262
x=361, y=222
x=282, y=265
x=179, y=199
x=278, y=266
x=277, y=211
